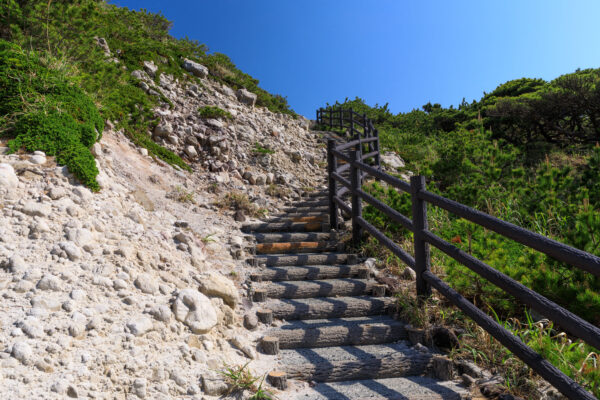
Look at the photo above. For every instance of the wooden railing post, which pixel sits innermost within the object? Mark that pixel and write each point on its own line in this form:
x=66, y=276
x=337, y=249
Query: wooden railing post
x=355, y=181
x=341, y=118
x=352, y=125
x=331, y=117
x=376, y=145
x=331, y=168
x=319, y=114
x=419, y=220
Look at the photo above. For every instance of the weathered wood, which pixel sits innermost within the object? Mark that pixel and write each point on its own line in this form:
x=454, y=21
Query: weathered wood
x=340, y=333
x=277, y=379
x=379, y=290
x=294, y=237
x=338, y=307
x=570, y=322
x=331, y=168
x=309, y=272
x=283, y=227
x=546, y=370
x=443, y=368
x=420, y=224
x=265, y=316
x=392, y=365
x=319, y=288
x=295, y=247
x=355, y=179
x=306, y=259
x=299, y=218
x=269, y=345
x=363, y=273
x=259, y=295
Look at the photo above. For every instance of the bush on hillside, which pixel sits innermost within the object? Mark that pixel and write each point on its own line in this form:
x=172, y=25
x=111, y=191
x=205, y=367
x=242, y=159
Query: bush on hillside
x=43, y=110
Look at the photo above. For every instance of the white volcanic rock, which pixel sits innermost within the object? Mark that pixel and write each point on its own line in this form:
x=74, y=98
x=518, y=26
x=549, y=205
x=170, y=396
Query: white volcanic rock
x=195, y=310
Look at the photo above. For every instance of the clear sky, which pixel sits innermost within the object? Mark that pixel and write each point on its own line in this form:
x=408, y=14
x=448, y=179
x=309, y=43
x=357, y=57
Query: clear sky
x=400, y=52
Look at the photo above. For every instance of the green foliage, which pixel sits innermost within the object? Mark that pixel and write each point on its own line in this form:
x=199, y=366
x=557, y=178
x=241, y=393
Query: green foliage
x=66, y=32
x=258, y=148
x=43, y=110
x=214, y=112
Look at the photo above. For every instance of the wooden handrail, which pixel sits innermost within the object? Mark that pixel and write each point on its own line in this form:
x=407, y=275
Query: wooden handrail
x=351, y=153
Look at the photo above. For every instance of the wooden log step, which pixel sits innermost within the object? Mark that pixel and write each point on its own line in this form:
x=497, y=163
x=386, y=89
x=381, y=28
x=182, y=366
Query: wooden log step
x=282, y=260
x=343, y=363
x=308, y=212
x=315, y=203
x=319, y=288
x=307, y=272
x=295, y=247
x=339, y=332
x=292, y=237
x=283, y=227
x=300, y=218
x=315, y=193
x=330, y=307
x=413, y=388
x=304, y=209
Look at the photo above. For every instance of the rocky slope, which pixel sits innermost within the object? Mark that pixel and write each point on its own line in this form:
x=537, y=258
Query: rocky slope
x=138, y=291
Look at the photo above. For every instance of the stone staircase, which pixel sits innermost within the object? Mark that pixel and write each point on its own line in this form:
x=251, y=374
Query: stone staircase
x=339, y=330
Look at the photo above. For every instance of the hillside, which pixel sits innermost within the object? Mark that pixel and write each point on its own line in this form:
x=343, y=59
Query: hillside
x=128, y=160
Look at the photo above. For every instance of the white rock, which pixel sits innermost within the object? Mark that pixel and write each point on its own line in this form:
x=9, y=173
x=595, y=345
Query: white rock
x=161, y=313
x=140, y=325
x=215, y=284
x=32, y=327
x=8, y=178
x=139, y=388
x=150, y=68
x=119, y=284
x=17, y=264
x=146, y=283
x=71, y=249
x=195, y=68
x=36, y=209
x=96, y=149
x=80, y=236
x=392, y=160
x=49, y=282
x=83, y=193
x=57, y=192
x=163, y=129
x=37, y=159
x=191, y=151
x=246, y=97
x=195, y=310
x=77, y=294
x=22, y=352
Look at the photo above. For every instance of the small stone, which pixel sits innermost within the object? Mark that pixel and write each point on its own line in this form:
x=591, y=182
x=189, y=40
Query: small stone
x=139, y=388
x=72, y=392
x=8, y=178
x=409, y=274
x=71, y=250
x=140, y=325
x=49, y=282
x=32, y=328
x=250, y=321
x=195, y=310
x=195, y=68
x=150, y=68
x=22, y=352
x=35, y=209
x=163, y=129
x=213, y=385
x=57, y=192
x=246, y=97
x=76, y=330
x=17, y=264
x=191, y=151
x=215, y=284
x=37, y=159
x=146, y=284
x=77, y=294
x=119, y=284
x=161, y=313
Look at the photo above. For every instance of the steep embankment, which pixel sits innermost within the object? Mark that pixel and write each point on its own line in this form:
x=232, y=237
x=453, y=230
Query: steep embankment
x=138, y=288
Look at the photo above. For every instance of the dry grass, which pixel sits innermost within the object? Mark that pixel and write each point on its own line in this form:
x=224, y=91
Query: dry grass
x=238, y=201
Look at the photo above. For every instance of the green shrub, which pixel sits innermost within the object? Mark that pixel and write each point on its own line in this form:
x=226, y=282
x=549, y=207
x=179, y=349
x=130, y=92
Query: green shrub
x=214, y=112
x=259, y=149
x=48, y=113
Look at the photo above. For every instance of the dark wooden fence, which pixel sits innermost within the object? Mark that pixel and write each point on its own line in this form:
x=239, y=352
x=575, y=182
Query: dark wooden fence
x=360, y=165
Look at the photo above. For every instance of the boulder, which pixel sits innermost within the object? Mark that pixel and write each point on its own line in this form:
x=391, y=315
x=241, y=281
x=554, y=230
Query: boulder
x=246, y=97
x=215, y=284
x=392, y=160
x=195, y=310
x=150, y=68
x=163, y=129
x=191, y=151
x=195, y=68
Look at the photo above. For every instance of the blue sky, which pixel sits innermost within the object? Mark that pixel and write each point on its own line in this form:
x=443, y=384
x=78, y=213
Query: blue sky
x=400, y=52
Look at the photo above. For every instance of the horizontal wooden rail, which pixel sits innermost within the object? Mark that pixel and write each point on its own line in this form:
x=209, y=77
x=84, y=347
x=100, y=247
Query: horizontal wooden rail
x=536, y=362
x=350, y=154
x=557, y=250
x=572, y=323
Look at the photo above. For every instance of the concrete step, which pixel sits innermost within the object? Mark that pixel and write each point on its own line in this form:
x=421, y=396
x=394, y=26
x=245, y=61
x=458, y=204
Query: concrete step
x=306, y=272
x=281, y=260
x=339, y=332
x=345, y=363
x=297, y=247
x=283, y=227
x=318, y=288
x=330, y=307
x=292, y=237
x=403, y=388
